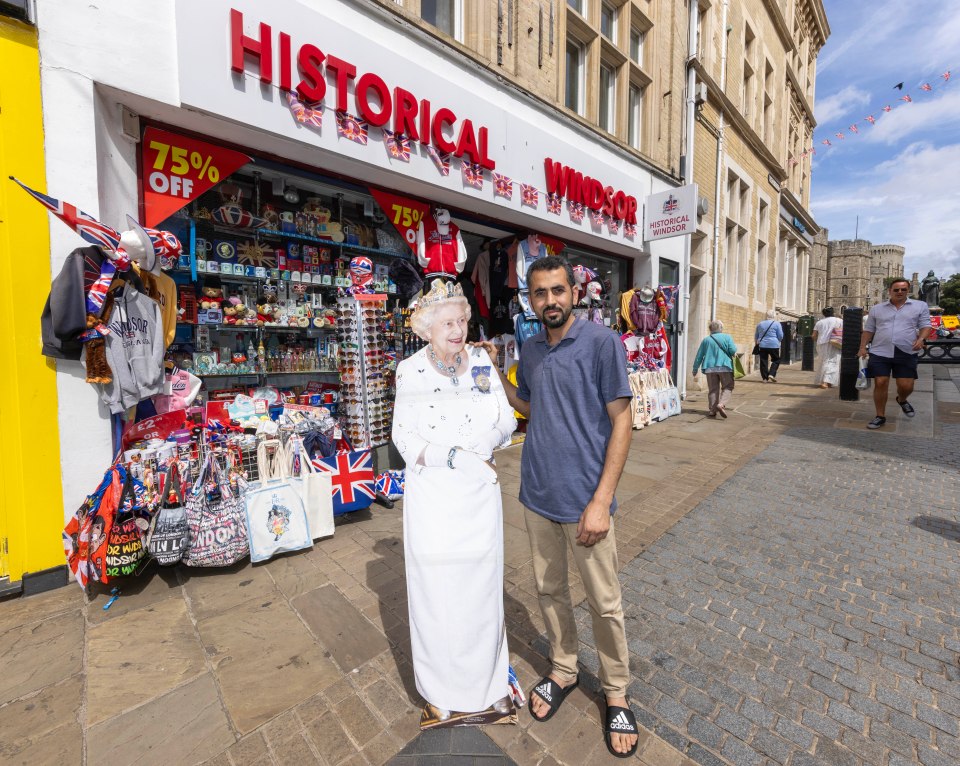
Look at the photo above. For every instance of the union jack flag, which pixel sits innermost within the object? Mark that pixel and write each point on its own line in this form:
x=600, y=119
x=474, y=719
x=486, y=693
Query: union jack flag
x=598, y=217
x=553, y=204
x=502, y=185
x=793, y=161
x=398, y=145
x=442, y=161
x=352, y=477
x=88, y=227
x=813, y=150
x=310, y=115
x=946, y=76
x=352, y=128
x=854, y=128
x=906, y=98
x=826, y=142
x=472, y=173
x=529, y=195
x=840, y=136
x=614, y=225
x=887, y=108
x=926, y=86
x=576, y=211
x=871, y=119
x=629, y=230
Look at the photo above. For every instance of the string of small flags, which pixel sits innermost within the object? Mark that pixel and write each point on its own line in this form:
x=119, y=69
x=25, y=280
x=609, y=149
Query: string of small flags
x=397, y=146
x=871, y=119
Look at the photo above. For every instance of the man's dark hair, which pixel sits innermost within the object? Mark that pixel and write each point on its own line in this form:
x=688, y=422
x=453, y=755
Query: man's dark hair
x=828, y=311
x=899, y=279
x=551, y=263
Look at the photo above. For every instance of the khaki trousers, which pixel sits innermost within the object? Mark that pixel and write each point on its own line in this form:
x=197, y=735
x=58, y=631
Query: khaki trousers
x=719, y=389
x=549, y=543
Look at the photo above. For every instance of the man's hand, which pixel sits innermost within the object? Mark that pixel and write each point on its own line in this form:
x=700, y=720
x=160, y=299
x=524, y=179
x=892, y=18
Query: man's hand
x=594, y=523
x=863, y=353
x=919, y=343
x=489, y=348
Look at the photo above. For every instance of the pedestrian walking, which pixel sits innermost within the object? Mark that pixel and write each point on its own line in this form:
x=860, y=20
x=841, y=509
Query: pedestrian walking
x=450, y=414
x=572, y=385
x=827, y=338
x=895, y=331
x=715, y=358
x=767, y=339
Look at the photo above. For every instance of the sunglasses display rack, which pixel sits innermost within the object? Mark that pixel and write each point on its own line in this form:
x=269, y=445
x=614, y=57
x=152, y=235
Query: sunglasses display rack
x=365, y=371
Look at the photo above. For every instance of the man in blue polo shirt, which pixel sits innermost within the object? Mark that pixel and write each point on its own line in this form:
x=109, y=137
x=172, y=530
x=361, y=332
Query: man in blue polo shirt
x=895, y=331
x=573, y=388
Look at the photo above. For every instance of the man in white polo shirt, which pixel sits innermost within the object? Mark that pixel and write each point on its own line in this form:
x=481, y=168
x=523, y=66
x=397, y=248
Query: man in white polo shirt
x=895, y=331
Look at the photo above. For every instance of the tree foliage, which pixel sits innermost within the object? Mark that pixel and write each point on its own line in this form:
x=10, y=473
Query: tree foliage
x=950, y=295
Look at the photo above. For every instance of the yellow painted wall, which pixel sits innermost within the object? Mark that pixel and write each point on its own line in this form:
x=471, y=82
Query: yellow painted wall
x=31, y=502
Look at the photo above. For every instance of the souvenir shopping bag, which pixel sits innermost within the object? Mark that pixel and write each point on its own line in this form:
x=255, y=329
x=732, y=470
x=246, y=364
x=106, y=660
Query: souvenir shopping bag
x=351, y=474
x=737, y=367
x=126, y=553
x=276, y=521
x=216, y=521
x=673, y=395
x=391, y=484
x=169, y=532
x=653, y=397
x=863, y=382
x=638, y=403
x=85, y=536
x=314, y=488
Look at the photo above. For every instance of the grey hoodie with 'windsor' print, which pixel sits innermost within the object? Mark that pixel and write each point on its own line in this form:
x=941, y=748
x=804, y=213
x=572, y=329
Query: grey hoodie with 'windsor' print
x=135, y=347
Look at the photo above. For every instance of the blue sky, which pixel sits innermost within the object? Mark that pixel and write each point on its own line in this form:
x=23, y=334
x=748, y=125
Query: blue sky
x=901, y=175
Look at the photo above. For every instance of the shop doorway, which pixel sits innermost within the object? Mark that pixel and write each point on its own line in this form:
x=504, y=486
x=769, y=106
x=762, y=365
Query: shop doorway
x=669, y=276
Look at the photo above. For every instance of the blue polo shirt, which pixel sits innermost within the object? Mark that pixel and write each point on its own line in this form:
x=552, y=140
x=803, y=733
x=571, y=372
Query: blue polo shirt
x=568, y=386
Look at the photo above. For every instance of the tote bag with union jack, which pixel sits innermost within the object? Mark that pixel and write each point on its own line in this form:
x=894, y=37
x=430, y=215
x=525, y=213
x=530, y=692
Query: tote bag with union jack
x=352, y=478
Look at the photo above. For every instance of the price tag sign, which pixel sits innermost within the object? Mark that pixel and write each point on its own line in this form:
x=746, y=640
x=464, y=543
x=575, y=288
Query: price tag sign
x=403, y=212
x=178, y=169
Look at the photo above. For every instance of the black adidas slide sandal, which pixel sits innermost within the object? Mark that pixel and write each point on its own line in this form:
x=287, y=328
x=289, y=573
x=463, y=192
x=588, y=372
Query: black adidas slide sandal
x=552, y=693
x=620, y=720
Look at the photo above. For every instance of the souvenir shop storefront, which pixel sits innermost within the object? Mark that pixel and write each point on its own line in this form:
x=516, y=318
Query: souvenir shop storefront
x=305, y=159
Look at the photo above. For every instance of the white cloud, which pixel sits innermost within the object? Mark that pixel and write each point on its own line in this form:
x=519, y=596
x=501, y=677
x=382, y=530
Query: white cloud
x=840, y=103
x=911, y=199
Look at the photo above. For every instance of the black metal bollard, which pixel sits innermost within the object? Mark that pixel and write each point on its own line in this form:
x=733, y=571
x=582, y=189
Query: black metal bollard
x=849, y=363
x=807, y=364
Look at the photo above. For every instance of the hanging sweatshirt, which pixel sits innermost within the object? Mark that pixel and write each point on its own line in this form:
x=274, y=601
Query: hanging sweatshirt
x=134, y=348
x=163, y=290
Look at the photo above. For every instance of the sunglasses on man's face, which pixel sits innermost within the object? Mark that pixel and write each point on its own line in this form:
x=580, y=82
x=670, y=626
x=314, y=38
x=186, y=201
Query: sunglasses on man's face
x=899, y=289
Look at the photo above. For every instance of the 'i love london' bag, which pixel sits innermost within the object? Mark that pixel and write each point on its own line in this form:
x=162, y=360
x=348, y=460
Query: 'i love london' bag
x=169, y=532
x=216, y=520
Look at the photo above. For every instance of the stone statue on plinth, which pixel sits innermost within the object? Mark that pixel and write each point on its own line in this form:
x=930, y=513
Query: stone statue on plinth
x=930, y=289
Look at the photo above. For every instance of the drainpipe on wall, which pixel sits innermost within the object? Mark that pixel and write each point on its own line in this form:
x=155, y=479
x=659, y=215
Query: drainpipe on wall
x=715, y=277
x=691, y=106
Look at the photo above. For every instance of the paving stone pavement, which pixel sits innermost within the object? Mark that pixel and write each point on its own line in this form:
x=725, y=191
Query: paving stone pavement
x=305, y=659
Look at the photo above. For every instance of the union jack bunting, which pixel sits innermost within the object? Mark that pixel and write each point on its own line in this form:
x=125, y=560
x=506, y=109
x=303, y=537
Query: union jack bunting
x=906, y=98
x=352, y=478
x=398, y=145
x=840, y=136
x=926, y=86
x=598, y=217
x=553, y=204
x=98, y=290
x=854, y=128
x=310, y=115
x=502, y=186
x=826, y=142
x=887, y=108
x=614, y=225
x=813, y=150
x=946, y=76
x=793, y=161
x=88, y=227
x=352, y=128
x=442, y=161
x=629, y=230
x=529, y=195
x=576, y=211
x=871, y=119
x=472, y=174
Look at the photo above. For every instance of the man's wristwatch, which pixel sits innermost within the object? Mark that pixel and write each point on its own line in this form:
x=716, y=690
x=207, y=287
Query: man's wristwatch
x=450, y=455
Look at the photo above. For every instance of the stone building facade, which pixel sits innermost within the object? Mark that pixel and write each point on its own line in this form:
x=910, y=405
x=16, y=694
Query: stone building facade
x=817, y=280
x=858, y=272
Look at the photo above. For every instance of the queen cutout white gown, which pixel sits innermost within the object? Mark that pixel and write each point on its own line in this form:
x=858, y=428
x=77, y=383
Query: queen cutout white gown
x=453, y=532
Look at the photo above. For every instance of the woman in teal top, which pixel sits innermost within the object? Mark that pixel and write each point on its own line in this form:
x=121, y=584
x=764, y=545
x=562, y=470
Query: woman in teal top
x=713, y=357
